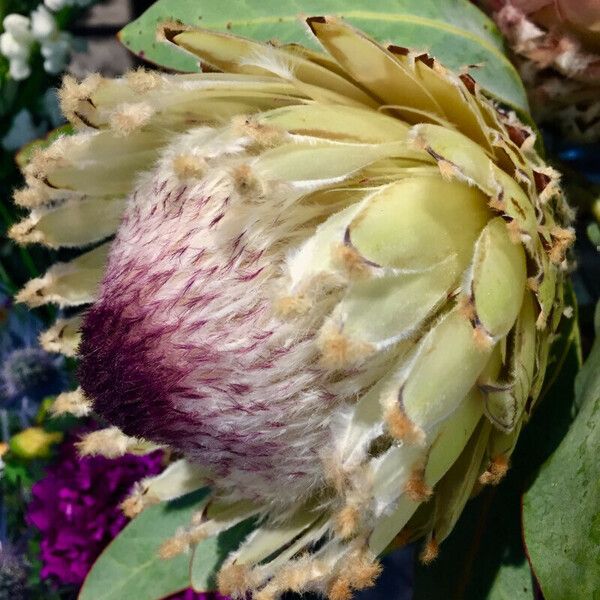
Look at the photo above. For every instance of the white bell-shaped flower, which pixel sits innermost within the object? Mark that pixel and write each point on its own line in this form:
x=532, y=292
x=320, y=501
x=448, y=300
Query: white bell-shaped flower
x=43, y=24
x=19, y=69
x=19, y=27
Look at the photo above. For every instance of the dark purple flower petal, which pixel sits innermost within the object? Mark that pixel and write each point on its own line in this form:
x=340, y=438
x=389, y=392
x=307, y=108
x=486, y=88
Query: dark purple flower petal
x=75, y=507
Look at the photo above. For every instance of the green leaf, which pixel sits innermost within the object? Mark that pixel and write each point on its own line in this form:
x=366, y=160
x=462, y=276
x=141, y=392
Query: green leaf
x=561, y=510
x=484, y=558
x=212, y=552
x=130, y=566
x=454, y=31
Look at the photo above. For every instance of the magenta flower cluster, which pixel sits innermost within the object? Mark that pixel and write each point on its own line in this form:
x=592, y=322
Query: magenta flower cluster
x=191, y=595
x=75, y=507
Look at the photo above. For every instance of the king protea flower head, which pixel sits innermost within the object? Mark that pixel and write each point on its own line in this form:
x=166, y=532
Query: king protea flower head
x=332, y=289
x=557, y=49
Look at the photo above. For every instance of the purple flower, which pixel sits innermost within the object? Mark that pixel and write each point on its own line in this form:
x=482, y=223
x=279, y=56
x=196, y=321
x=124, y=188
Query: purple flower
x=27, y=372
x=191, y=595
x=76, y=508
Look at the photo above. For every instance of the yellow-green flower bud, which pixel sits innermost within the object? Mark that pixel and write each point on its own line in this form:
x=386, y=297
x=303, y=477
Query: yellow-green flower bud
x=34, y=442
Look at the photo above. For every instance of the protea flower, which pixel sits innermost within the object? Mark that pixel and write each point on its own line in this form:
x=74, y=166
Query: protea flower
x=332, y=287
x=557, y=47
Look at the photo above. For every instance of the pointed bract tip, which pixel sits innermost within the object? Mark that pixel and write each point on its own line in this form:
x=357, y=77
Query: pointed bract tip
x=168, y=30
x=127, y=118
x=110, y=442
x=175, y=546
x=189, y=166
x=430, y=551
x=347, y=521
x=402, y=428
x=134, y=504
x=74, y=403
x=496, y=471
x=233, y=580
x=338, y=351
x=312, y=21
x=416, y=487
x=143, y=81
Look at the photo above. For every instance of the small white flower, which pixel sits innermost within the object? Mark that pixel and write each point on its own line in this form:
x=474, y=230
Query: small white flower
x=11, y=48
x=56, y=5
x=22, y=32
x=18, y=26
x=16, y=43
x=19, y=69
x=43, y=24
x=56, y=53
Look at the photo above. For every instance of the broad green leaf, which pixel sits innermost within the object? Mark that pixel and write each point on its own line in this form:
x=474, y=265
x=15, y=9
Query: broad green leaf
x=484, y=558
x=130, y=566
x=454, y=31
x=513, y=582
x=212, y=552
x=561, y=510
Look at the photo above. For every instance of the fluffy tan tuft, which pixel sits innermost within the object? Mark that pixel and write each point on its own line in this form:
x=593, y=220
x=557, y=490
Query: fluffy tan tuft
x=363, y=571
x=267, y=593
x=110, y=442
x=143, y=81
x=483, y=340
x=291, y=306
x=340, y=589
x=25, y=232
x=430, y=551
x=347, y=521
x=562, y=240
x=533, y=283
x=175, y=546
x=33, y=294
x=350, y=262
x=401, y=427
x=448, y=170
x=263, y=135
x=30, y=197
x=514, y=231
x=73, y=94
x=247, y=183
x=73, y=403
x=233, y=580
x=128, y=117
x=55, y=340
x=496, y=471
x=135, y=503
x=338, y=351
x=335, y=473
x=416, y=488
x=189, y=166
